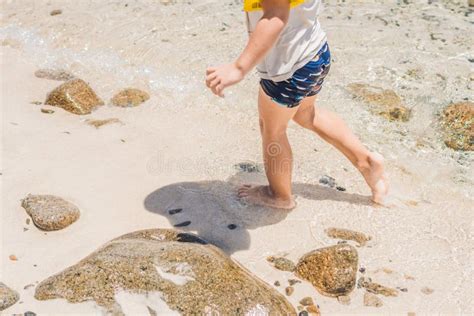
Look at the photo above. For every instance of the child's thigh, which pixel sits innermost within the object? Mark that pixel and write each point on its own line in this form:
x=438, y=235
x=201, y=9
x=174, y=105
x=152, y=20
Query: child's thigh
x=272, y=115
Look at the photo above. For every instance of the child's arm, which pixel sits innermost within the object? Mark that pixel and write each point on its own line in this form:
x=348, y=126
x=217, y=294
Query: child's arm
x=266, y=33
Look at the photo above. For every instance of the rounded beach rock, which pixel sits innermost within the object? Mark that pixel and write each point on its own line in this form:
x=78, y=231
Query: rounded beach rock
x=331, y=270
x=189, y=275
x=8, y=297
x=458, y=123
x=50, y=212
x=129, y=98
x=74, y=96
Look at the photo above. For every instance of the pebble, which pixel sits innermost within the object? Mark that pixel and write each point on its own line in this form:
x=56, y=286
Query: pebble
x=47, y=111
x=232, y=226
x=183, y=224
x=289, y=290
x=293, y=281
x=328, y=181
x=282, y=263
x=175, y=211
x=303, y=313
x=306, y=301
x=313, y=310
x=426, y=290
x=376, y=288
x=372, y=300
x=276, y=283
x=130, y=98
x=347, y=234
x=339, y=188
x=13, y=258
x=56, y=12
x=99, y=123
x=344, y=299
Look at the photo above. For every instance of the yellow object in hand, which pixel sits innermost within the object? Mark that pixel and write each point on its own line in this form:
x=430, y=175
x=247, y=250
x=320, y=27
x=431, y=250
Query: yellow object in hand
x=256, y=5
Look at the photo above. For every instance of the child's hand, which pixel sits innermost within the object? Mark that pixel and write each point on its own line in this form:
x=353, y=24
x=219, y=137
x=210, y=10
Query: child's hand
x=219, y=78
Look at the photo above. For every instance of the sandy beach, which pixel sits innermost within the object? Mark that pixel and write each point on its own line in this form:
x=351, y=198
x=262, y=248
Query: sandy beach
x=185, y=148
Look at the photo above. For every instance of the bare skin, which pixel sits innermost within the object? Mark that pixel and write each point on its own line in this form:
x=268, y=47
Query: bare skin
x=278, y=159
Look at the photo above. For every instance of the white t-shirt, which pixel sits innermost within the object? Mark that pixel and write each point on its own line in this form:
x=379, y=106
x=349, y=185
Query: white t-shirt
x=298, y=43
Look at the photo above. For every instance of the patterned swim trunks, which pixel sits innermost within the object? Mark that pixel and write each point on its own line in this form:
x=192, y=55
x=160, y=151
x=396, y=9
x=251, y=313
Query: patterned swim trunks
x=306, y=81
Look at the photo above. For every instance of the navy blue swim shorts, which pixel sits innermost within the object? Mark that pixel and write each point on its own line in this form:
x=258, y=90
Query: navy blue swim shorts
x=306, y=81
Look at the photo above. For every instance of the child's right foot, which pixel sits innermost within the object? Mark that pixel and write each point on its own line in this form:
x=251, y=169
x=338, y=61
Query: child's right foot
x=375, y=177
x=261, y=195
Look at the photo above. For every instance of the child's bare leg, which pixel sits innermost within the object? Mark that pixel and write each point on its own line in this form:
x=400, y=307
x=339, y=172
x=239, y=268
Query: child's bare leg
x=277, y=156
x=333, y=130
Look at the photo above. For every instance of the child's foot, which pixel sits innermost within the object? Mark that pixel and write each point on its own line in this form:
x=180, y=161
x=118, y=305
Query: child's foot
x=261, y=195
x=375, y=177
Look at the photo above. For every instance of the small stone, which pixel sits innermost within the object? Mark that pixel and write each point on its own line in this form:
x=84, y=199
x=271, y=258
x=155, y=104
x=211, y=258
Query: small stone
x=232, y=226
x=372, y=300
x=130, y=98
x=47, y=111
x=29, y=314
x=100, y=123
x=307, y=301
x=313, y=310
x=183, y=224
x=383, y=102
x=303, y=313
x=328, y=181
x=339, y=188
x=26, y=287
x=402, y=289
x=458, y=124
x=54, y=74
x=8, y=297
x=299, y=308
x=362, y=270
x=50, y=212
x=28, y=220
x=293, y=281
x=74, y=96
x=175, y=211
x=347, y=234
x=344, y=299
x=376, y=288
x=331, y=270
x=276, y=283
x=289, y=290
x=427, y=290
x=13, y=258
x=282, y=263
x=56, y=12
x=36, y=102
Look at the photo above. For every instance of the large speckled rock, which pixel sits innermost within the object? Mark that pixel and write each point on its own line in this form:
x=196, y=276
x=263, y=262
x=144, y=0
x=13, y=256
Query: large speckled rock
x=331, y=270
x=458, y=123
x=50, y=212
x=129, y=98
x=8, y=297
x=383, y=102
x=190, y=275
x=75, y=96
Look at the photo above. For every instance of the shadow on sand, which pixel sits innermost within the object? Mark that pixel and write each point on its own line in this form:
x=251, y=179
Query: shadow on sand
x=212, y=210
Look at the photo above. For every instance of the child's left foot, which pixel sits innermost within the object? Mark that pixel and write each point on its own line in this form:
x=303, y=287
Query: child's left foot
x=261, y=195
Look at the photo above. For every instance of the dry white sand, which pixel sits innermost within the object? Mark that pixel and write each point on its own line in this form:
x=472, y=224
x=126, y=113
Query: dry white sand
x=179, y=149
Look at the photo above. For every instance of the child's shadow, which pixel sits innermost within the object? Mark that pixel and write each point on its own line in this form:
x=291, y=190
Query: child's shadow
x=212, y=210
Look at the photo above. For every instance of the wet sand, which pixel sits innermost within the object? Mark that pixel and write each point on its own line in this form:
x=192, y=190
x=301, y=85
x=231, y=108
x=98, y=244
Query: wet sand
x=180, y=148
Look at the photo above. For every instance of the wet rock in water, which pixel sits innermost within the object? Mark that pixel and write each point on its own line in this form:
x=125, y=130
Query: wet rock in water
x=8, y=297
x=100, y=123
x=54, y=74
x=74, y=96
x=50, y=212
x=372, y=300
x=129, y=98
x=331, y=270
x=376, y=288
x=458, y=124
x=281, y=263
x=383, y=102
x=344, y=299
x=56, y=12
x=313, y=310
x=190, y=276
x=427, y=290
x=289, y=290
x=307, y=301
x=346, y=234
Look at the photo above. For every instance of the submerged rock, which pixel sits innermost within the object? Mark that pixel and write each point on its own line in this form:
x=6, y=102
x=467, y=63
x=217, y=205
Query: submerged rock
x=384, y=102
x=346, y=234
x=190, y=275
x=376, y=288
x=282, y=263
x=458, y=123
x=130, y=97
x=75, y=96
x=372, y=300
x=331, y=270
x=54, y=74
x=50, y=212
x=8, y=297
